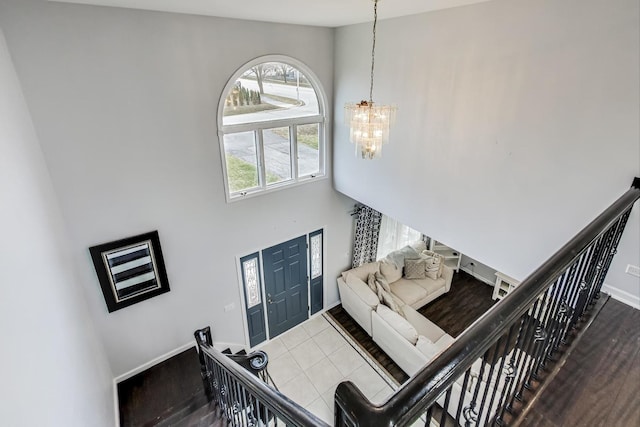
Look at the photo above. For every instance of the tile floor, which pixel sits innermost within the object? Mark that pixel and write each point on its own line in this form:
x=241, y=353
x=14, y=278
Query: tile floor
x=309, y=361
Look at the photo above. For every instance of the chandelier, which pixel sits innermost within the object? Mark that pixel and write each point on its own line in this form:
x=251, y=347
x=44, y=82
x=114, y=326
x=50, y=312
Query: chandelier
x=369, y=123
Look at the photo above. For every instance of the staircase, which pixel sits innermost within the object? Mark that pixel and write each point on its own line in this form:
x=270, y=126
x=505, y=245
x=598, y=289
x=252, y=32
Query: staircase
x=172, y=393
x=488, y=376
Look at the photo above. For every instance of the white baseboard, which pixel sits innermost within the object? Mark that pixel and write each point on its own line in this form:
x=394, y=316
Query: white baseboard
x=622, y=296
x=153, y=362
x=477, y=276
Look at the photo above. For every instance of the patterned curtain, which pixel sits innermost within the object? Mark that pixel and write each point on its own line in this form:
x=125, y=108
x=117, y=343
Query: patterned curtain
x=365, y=241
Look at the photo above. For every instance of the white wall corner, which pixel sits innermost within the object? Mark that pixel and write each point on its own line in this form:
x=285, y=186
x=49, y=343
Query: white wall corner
x=622, y=296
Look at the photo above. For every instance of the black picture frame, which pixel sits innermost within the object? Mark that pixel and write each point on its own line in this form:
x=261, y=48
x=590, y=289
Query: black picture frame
x=130, y=270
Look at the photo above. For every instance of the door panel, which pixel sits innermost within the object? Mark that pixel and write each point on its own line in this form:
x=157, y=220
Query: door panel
x=285, y=280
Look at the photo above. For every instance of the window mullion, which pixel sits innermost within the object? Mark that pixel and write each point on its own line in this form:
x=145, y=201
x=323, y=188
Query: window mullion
x=261, y=166
x=322, y=147
x=293, y=139
x=267, y=124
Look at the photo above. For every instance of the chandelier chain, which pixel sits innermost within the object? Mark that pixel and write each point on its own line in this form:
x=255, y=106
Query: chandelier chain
x=373, y=49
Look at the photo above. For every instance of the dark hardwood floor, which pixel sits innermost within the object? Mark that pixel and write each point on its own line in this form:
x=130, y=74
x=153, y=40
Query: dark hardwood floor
x=599, y=385
x=170, y=393
x=466, y=301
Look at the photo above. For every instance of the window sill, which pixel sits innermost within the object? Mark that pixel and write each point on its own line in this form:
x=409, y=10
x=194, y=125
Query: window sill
x=236, y=197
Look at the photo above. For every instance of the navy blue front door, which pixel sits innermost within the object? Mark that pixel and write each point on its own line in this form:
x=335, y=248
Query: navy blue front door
x=285, y=282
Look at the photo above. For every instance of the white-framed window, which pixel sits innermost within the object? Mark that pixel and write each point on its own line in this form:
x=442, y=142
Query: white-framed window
x=394, y=235
x=272, y=127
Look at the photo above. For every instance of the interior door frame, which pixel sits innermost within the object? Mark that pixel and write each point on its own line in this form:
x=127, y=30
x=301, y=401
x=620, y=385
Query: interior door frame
x=241, y=290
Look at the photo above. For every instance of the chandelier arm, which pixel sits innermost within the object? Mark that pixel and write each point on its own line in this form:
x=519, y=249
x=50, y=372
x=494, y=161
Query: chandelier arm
x=373, y=49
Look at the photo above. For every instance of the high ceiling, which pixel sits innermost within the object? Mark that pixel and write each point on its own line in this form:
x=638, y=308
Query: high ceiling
x=326, y=13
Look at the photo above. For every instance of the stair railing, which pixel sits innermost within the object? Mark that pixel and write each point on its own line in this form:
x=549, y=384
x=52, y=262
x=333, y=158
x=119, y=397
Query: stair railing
x=484, y=376
x=243, y=398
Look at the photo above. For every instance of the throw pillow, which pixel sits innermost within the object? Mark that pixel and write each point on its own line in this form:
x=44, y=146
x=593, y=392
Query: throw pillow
x=390, y=271
x=439, y=257
x=371, y=281
x=383, y=282
x=415, y=268
x=432, y=267
x=387, y=299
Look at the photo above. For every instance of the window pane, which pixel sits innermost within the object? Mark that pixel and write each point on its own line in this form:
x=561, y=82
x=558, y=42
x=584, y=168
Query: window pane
x=277, y=154
x=269, y=91
x=316, y=256
x=250, y=269
x=308, y=153
x=242, y=161
x=394, y=235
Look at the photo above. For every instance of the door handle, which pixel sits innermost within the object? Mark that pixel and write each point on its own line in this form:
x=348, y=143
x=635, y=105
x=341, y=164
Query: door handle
x=269, y=300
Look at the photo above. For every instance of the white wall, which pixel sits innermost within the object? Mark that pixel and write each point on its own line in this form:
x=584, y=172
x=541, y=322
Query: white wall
x=518, y=123
x=53, y=368
x=619, y=284
x=125, y=105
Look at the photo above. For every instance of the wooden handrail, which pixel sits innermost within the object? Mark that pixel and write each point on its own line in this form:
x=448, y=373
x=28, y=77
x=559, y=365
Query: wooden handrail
x=424, y=388
x=284, y=408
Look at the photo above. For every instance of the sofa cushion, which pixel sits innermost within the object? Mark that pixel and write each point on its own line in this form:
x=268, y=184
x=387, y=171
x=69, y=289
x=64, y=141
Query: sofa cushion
x=398, y=323
x=423, y=325
x=430, y=285
x=415, y=268
x=445, y=341
x=362, y=290
x=407, y=291
x=397, y=257
x=390, y=271
x=426, y=347
x=363, y=271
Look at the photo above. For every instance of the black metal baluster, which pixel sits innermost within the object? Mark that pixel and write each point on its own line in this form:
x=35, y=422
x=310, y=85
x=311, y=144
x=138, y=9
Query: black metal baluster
x=469, y=411
x=494, y=415
x=445, y=407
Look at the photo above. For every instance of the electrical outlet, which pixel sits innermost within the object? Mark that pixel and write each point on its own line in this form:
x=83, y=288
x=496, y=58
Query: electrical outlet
x=229, y=307
x=633, y=270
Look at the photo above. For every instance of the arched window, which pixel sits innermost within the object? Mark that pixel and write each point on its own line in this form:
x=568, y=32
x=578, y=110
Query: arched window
x=271, y=122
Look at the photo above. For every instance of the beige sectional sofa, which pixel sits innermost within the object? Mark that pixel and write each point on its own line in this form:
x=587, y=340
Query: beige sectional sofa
x=409, y=338
x=397, y=334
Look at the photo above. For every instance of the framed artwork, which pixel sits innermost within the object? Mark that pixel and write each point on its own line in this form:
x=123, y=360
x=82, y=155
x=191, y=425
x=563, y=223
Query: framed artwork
x=130, y=270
